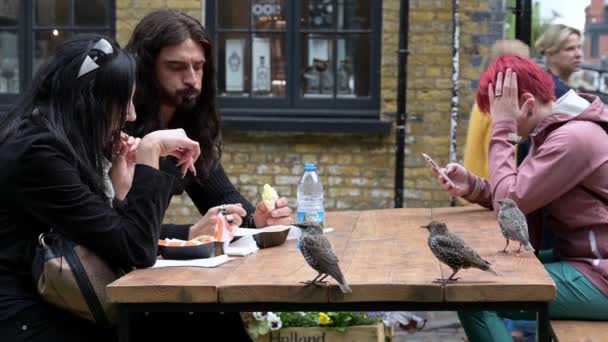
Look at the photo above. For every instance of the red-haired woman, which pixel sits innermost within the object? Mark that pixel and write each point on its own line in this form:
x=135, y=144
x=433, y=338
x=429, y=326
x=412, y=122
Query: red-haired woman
x=566, y=172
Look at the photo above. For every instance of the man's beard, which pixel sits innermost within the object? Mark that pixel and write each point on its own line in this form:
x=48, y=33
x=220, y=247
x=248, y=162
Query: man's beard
x=182, y=99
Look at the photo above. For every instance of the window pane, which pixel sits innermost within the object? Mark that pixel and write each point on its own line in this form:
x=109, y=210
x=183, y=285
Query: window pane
x=317, y=66
x=9, y=63
x=268, y=65
x=231, y=14
x=318, y=14
x=52, y=12
x=233, y=68
x=8, y=12
x=353, y=66
x=354, y=14
x=45, y=43
x=91, y=12
x=268, y=14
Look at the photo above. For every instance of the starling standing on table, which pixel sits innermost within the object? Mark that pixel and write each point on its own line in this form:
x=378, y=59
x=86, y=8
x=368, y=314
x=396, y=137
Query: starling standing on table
x=317, y=252
x=513, y=224
x=452, y=251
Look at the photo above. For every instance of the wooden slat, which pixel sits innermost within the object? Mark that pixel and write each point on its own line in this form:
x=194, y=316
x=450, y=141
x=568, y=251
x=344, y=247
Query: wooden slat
x=580, y=331
x=170, y=285
x=274, y=274
x=393, y=223
x=520, y=278
x=387, y=259
x=389, y=270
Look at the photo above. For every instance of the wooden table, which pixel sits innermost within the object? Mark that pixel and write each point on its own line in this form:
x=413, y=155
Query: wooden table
x=385, y=258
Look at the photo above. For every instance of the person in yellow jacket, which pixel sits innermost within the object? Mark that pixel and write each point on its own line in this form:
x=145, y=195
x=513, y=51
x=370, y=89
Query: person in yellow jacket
x=480, y=125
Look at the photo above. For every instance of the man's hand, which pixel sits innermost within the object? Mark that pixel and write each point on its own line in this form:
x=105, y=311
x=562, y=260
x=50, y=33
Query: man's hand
x=281, y=215
x=234, y=213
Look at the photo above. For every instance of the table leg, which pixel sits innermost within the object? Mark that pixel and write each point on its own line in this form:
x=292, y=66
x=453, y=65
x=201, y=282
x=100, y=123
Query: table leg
x=124, y=324
x=542, y=326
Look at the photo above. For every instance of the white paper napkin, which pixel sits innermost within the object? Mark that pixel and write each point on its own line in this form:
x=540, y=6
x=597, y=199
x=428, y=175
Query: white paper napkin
x=208, y=262
x=244, y=246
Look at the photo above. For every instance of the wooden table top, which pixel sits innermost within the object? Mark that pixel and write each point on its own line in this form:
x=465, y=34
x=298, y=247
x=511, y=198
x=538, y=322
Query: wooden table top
x=383, y=254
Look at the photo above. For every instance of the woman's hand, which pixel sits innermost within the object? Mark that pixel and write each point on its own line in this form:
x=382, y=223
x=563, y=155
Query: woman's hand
x=504, y=100
x=234, y=213
x=169, y=142
x=123, y=165
x=281, y=215
x=459, y=175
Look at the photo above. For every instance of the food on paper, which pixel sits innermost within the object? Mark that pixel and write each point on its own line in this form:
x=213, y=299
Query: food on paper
x=199, y=240
x=269, y=197
x=204, y=238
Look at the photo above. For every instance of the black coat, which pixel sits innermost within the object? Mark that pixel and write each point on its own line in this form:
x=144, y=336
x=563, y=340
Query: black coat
x=43, y=189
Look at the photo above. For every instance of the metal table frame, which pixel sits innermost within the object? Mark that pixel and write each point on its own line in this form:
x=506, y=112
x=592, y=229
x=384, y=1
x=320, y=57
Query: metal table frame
x=541, y=308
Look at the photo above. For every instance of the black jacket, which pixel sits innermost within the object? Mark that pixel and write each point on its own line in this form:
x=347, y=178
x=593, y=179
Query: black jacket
x=43, y=189
x=215, y=190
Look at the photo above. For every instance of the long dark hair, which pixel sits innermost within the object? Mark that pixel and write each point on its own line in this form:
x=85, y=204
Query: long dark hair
x=157, y=30
x=84, y=113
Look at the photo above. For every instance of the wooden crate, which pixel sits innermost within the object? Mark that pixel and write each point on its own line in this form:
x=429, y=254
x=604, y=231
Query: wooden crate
x=361, y=333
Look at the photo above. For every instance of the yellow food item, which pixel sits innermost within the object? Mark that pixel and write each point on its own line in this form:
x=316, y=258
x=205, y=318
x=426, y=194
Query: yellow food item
x=269, y=197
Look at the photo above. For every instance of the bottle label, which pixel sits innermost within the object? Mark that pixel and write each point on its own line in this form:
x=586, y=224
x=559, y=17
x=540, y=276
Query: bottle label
x=315, y=216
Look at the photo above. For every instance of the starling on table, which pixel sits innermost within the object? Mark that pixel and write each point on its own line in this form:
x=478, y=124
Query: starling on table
x=317, y=252
x=453, y=251
x=513, y=224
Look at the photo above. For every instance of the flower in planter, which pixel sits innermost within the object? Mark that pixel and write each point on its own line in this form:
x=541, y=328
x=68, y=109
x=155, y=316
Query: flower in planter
x=274, y=321
x=323, y=318
x=260, y=316
x=261, y=323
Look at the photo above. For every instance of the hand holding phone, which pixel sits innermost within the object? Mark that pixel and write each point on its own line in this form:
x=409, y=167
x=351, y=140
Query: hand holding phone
x=435, y=167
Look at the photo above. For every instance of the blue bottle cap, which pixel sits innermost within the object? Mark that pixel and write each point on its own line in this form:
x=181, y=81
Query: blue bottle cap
x=310, y=167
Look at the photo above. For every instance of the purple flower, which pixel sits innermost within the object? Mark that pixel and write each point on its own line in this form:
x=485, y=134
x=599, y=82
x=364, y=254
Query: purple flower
x=375, y=314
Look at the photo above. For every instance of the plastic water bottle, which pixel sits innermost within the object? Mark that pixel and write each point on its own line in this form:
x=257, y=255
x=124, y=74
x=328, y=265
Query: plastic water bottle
x=310, y=196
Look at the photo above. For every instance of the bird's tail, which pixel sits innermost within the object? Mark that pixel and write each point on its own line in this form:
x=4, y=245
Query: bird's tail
x=489, y=269
x=344, y=286
x=484, y=265
x=528, y=246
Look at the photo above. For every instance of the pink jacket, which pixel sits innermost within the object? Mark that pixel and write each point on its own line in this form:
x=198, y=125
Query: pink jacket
x=569, y=149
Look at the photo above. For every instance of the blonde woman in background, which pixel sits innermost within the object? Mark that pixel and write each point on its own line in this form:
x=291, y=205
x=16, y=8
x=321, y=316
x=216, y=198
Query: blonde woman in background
x=480, y=125
x=561, y=47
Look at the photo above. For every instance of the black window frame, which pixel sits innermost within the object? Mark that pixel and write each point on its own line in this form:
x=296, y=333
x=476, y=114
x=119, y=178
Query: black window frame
x=26, y=41
x=294, y=112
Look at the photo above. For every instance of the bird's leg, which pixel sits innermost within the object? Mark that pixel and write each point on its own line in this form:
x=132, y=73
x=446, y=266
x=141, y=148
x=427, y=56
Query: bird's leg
x=314, y=281
x=450, y=279
x=518, y=250
x=321, y=280
x=505, y=250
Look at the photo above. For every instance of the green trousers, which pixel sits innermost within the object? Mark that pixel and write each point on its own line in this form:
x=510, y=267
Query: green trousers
x=577, y=298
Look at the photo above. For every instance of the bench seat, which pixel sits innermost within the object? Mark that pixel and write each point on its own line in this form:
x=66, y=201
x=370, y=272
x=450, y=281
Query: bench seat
x=579, y=331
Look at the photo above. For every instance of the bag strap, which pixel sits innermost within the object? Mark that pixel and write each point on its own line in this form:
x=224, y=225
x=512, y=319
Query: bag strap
x=85, y=286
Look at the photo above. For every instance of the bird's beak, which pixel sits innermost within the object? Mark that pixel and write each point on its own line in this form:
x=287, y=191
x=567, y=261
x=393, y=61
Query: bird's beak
x=425, y=227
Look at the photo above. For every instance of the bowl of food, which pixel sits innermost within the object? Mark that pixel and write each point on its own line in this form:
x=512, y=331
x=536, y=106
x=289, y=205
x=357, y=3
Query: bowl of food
x=271, y=236
x=183, y=250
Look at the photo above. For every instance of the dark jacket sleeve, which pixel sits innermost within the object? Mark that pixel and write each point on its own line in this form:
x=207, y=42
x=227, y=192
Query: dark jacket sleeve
x=216, y=190
x=53, y=192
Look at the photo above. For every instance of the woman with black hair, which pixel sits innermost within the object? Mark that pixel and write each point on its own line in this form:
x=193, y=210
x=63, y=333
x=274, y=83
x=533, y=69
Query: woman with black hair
x=54, y=146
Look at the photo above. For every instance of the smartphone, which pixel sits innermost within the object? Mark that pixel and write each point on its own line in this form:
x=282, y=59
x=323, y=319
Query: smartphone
x=434, y=166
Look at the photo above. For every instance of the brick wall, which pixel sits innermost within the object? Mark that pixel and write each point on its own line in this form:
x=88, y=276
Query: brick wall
x=358, y=170
x=130, y=12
